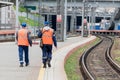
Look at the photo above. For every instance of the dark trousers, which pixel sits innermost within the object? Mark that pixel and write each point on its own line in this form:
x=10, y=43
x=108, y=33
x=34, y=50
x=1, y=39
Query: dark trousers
x=23, y=50
x=46, y=53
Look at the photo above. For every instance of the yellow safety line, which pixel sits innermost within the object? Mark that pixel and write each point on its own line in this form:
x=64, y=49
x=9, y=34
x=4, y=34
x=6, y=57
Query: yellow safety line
x=42, y=70
x=41, y=73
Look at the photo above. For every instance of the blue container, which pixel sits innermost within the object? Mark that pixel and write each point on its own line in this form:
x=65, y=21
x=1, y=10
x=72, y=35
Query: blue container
x=97, y=27
x=118, y=27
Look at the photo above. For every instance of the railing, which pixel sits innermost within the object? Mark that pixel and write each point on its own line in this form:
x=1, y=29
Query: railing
x=7, y=35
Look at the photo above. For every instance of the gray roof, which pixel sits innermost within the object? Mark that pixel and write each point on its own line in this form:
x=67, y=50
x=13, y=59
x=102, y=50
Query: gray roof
x=3, y=3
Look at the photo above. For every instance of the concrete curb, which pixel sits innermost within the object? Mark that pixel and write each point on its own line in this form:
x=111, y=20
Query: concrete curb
x=57, y=72
x=74, y=49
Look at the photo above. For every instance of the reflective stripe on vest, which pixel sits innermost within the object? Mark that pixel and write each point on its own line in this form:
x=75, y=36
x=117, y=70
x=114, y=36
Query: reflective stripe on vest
x=22, y=37
x=47, y=36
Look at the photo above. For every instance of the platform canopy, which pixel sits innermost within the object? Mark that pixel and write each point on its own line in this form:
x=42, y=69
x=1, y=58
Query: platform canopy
x=3, y=4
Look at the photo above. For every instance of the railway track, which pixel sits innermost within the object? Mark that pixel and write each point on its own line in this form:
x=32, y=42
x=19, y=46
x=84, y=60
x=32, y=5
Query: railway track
x=97, y=64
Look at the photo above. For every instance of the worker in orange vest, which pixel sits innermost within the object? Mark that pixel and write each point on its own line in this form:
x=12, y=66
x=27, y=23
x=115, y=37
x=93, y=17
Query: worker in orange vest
x=48, y=37
x=23, y=41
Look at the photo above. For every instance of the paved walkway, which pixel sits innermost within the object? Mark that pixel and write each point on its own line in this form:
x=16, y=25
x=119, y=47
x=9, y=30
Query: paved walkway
x=56, y=72
x=9, y=64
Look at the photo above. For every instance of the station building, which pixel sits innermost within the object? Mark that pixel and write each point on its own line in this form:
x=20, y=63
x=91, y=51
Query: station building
x=95, y=11
x=7, y=15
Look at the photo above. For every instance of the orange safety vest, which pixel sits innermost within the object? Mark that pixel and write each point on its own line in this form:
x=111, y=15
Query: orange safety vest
x=47, y=36
x=22, y=37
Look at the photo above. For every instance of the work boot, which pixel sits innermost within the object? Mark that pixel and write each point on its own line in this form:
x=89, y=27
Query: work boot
x=26, y=64
x=44, y=65
x=21, y=65
x=49, y=65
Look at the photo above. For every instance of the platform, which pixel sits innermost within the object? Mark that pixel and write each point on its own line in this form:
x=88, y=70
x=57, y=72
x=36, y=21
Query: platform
x=9, y=64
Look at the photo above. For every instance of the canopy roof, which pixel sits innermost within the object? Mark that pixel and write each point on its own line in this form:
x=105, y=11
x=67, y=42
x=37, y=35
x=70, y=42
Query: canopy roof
x=3, y=3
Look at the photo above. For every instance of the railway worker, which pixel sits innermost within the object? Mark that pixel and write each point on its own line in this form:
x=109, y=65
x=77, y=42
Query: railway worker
x=48, y=37
x=23, y=42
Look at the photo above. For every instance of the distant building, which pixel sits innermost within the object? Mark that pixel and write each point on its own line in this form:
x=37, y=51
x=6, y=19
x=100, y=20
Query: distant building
x=6, y=15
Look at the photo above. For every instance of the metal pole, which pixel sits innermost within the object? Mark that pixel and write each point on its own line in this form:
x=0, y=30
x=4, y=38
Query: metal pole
x=39, y=11
x=5, y=17
x=65, y=21
x=89, y=19
x=16, y=25
x=113, y=2
x=72, y=18
x=34, y=27
x=74, y=15
x=60, y=24
x=83, y=14
x=17, y=6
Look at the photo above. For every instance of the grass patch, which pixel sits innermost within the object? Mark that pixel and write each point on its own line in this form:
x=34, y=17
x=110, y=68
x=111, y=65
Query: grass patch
x=117, y=59
x=30, y=22
x=116, y=50
x=72, y=63
x=22, y=9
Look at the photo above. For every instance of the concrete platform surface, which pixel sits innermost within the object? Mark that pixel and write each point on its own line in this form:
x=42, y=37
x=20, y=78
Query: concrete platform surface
x=9, y=63
x=56, y=72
